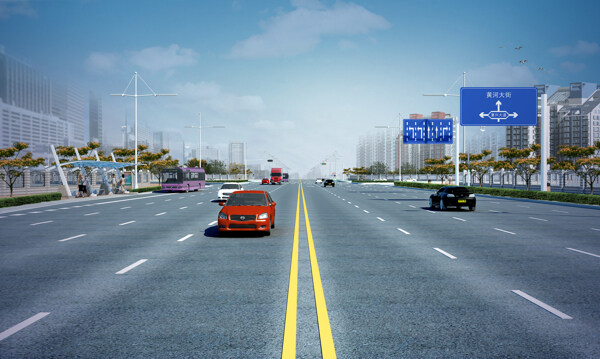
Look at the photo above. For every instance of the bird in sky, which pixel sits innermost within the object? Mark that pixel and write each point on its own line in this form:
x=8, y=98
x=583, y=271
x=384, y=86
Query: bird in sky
x=540, y=69
x=523, y=61
x=518, y=47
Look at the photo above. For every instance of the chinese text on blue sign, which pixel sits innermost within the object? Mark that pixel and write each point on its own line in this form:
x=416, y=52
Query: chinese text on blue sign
x=498, y=106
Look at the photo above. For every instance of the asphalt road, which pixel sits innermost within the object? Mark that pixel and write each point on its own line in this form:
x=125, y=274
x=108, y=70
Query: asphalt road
x=146, y=275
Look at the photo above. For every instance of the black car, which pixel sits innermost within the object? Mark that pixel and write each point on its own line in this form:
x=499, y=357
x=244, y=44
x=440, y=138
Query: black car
x=453, y=196
x=328, y=182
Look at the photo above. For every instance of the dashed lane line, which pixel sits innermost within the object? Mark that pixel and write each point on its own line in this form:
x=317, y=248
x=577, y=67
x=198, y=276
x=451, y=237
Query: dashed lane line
x=539, y=303
x=429, y=211
x=595, y=229
x=199, y=202
x=17, y=214
x=411, y=206
x=381, y=219
x=7, y=333
x=460, y=219
x=213, y=223
x=364, y=210
x=160, y=214
x=445, y=253
x=184, y=238
x=403, y=231
x=68, y=239
x=126, y=223
x=130, y=267
x=557, y=211
x=538, y=219
x=589, y=254
x=183, y=207
x=37, y=224
x=502, y=230
x=126, y=207
x=91, y=214
x=149, y=203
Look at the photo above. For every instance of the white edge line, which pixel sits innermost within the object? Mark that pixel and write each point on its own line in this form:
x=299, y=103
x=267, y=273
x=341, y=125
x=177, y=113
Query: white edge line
x=35, y=224
x=542, y=304
x=126, y=207
x=160, y=214
x=364, y=210
x=502, y=230
x=381, y=219
x=402, y=230
x=589, y=254
x=122, y=224
x=8, y=332
x=67, y=239
x=538, y=219
x=184, y=238
x=459, y=219
x=445, y=253
x=128, y=268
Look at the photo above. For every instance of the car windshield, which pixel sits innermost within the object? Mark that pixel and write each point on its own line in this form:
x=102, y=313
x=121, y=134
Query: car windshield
x=230, y=186
x=247, y=199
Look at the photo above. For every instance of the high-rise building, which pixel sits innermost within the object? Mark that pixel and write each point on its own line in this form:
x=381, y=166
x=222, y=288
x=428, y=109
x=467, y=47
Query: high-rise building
x=95, y=118
x=236, y=152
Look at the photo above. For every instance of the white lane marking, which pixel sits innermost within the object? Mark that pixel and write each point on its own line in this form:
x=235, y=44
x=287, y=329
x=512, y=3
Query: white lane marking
x=149, y=203
x=445, y=253
x=502, y=230
x=589, y=254
x=343, y=199
x=126, y=207
x=35, y=224
x=523, y=206
x=68, y=239
x=542, y=304
x=595, y=229
x=213, y=223
x=402, y=230
x=21, y=214
x=126, y=223
x=193, y=195
x=167, y=200
x=538, y=219
x=184, y=238
x=5, y=216
x=128, y=268
x=180, y=197
x=77, y=206
x=364, y=210
x=199, y=202
x=381, y=219
x=65, y=208
x=356, y=206
x=429, y=211
x=411, y=206
x=398, y=202
x=459, y=219
x=33, y=212
x=8, y=332
x=160, y=214
x=493, y=211
x=49, y=210
x=182, y=207
x=349, y=202
x=91, y=214
x=556, y=210
x=87, y=205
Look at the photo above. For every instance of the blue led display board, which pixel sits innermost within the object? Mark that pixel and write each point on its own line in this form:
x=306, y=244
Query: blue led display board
x=498, y=106
x=427, y=131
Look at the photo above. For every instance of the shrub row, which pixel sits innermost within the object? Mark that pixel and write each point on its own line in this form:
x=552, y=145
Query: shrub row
x=517, y=193
x=34, y=198
x=146, y=189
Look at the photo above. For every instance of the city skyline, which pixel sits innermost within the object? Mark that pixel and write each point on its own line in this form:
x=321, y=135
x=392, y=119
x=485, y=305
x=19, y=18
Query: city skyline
x=286, y=77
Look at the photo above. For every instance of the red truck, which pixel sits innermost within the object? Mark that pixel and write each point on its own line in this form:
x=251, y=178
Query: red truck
x=276, y=175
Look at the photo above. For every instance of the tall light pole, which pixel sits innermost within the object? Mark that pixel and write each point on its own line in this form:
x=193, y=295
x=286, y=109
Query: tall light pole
x=400, y=143
x=464, y=76
x=135, y=96
x=200, y=138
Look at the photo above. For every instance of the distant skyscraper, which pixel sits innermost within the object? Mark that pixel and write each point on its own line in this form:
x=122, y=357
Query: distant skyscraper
x=95, y=118
x=236, y=152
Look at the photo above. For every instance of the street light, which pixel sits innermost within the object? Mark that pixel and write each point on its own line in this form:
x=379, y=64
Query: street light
x=135, y=96
x=400, y=143
x=464, y=76
x=200, y=138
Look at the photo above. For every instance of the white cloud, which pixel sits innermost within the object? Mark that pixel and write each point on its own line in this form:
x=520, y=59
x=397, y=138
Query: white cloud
x=210, y=95
x=572, y=66
x=300, y=30
x=501, y=75
x=270, y=125
x=99, y=62
x=10, y=8
x=347, y=45
x=163, y=58
x=581, y=48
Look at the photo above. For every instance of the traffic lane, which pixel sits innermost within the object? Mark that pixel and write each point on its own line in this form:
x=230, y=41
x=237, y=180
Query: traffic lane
x=217, y=297
x=536, y=262
x=390, y=296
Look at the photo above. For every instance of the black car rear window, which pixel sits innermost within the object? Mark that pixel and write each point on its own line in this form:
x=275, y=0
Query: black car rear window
x=457, y=190
x=247, y=199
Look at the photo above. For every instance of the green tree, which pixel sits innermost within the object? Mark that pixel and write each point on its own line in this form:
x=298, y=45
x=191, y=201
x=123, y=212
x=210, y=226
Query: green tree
x=378, y=168
x=192, y=162
x=214, y=167
x=439, y=167
x=481, y=166
x=525, y=162
x=584, y=161
x=13, y=163
x=156, y=162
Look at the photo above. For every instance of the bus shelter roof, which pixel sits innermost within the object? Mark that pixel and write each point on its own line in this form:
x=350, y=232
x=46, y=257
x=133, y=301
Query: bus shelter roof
x=98, y=164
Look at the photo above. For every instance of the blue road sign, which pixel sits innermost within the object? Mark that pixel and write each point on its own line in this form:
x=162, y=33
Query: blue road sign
x=427, y=131
x=498, y=106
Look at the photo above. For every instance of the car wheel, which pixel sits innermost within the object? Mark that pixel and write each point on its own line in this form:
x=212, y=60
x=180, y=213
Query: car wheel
x=431, y=203
x=443, y=205
x=472, y=208
x=267, y=233
x=273, y=224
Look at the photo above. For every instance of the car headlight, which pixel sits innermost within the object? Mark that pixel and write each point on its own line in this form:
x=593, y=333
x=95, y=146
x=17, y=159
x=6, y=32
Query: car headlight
x=222, y=215
x=263, y=215
x=472, y=195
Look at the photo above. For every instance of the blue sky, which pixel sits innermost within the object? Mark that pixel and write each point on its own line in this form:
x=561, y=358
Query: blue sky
x=300, y=79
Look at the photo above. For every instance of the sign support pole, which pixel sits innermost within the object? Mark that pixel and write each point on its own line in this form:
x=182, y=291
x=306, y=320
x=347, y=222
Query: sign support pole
x=544, y=143
x=457, y=151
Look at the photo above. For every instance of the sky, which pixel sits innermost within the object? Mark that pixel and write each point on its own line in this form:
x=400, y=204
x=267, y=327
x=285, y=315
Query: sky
x=298, y=81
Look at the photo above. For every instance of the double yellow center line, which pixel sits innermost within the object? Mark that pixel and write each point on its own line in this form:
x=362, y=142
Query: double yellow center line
x=289, y=336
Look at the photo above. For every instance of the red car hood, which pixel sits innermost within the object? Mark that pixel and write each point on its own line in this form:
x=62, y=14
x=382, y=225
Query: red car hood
x=256, y=210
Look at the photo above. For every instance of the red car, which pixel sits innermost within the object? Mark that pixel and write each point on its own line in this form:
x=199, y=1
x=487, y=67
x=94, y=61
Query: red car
x=265, y=181
x=247, y=211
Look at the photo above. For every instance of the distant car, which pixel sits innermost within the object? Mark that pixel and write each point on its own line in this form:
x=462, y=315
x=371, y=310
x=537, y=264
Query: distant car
x=453, y=196
x=318, y=180
x=265, y=181
x=411, y=180
x=227, y=189
x=329, y=182
x=247, y=211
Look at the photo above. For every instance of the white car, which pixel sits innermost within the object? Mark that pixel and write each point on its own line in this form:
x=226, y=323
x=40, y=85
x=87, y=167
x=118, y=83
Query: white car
x=318, y=181
x=227, y=189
